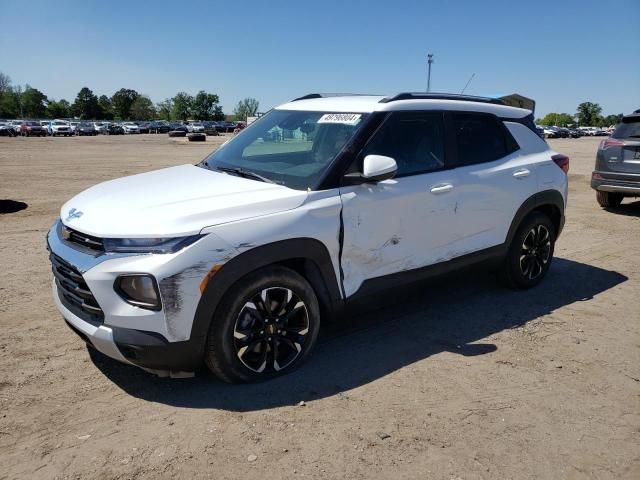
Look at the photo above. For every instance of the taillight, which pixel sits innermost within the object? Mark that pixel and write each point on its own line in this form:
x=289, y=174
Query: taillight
x=610, y=143
x=562, y=161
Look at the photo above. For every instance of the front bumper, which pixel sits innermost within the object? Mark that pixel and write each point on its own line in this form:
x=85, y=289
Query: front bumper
x=625, y=183
x=161, y=342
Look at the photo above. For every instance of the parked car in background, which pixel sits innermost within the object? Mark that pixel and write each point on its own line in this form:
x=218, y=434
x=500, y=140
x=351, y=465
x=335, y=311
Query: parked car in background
x=228, y=127
x=210, y=128
x=588, y=131
x=74, y=127
x=115, y=129
x=195, y=127
x=178, y=127
x=159, y=127
x=617, y=172
x=45, y=124
x=86, y=128
x=32, y=128
x=143, y=127
x=130, y=127
x=60, y=127
x=17, y=124
x=100, y=127
x=7, y=130
x=575, y=133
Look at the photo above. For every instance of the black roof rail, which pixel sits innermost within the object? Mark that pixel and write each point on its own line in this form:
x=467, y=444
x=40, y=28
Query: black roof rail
x=441, y=96
x=327, y=95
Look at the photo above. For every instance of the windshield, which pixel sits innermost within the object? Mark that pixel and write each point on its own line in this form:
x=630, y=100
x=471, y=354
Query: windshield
x=291, y=148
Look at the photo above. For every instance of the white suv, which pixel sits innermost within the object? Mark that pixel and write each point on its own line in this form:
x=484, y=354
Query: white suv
x=234, y=262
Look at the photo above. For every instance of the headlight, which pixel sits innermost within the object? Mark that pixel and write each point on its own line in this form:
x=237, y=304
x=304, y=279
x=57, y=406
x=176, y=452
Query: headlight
x=140, y=290
x=149, y=245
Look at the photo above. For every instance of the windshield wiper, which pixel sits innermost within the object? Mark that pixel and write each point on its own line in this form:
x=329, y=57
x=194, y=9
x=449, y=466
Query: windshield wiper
x=245, y=174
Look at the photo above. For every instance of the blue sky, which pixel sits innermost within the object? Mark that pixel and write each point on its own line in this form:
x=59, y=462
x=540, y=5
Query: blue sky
x=558, y=52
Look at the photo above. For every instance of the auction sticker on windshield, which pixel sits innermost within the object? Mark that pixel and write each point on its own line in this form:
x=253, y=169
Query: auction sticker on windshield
x=343, y=118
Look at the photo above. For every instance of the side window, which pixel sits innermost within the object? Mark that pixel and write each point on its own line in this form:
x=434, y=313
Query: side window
x=479, y=138
x=414, y=139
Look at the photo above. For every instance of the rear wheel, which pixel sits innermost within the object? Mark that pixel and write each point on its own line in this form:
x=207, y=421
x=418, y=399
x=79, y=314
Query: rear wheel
x=266, y=325
x=530, y=253
x=609, y=199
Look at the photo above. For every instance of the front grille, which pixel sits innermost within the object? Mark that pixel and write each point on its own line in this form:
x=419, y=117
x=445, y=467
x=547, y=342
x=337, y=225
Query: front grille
x=74, y=292
x=86, y=241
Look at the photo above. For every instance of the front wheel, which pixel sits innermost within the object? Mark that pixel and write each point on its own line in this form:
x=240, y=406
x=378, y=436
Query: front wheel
x=266, y=325
x=609, y=199
x=530, y=253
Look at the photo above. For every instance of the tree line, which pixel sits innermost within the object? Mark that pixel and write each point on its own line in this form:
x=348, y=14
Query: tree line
x=125, y=104
x=588, y=114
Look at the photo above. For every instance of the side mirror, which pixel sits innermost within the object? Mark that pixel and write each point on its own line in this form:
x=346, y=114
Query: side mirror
x=375, y=168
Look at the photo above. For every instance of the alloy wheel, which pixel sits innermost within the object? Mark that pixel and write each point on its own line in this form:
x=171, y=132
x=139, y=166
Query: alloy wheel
x=535, y=253
x=271, y=329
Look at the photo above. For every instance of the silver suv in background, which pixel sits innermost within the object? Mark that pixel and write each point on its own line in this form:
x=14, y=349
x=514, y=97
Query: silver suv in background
x=617, y=172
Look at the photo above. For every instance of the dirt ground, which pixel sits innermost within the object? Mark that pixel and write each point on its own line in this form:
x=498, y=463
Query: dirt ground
x=464, y=380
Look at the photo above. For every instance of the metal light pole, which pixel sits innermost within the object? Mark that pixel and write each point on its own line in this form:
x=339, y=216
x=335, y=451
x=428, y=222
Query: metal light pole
x=429, y=62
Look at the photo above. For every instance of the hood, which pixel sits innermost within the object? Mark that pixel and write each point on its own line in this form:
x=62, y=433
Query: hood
x=173, y=202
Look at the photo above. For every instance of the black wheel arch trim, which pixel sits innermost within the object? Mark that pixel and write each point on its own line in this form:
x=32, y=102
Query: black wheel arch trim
x=541, y=199
x=316, y=263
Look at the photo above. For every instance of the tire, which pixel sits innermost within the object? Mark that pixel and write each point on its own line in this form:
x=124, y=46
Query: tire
x=177, y=133
x=530, y=253
x=248, y=342
x=609, y=199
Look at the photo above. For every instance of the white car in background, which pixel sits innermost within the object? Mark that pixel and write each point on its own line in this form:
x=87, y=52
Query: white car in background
x=74, y=127
x=195, y=127
x=101, y=127
x=130, y=127
x=17, y=124
x=59, y=127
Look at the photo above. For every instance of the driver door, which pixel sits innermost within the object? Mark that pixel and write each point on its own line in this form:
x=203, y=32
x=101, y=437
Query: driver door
x=406, y=222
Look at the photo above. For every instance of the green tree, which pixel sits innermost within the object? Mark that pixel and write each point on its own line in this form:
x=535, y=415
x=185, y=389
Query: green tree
x=34, y=103
x=557, y=119
x=165, y=109
x=9, y=98
x=611, y=120
x=60, y=109
x=143, y=109
x=204, y=105
x=10, y=103
x=106, y=108
x=588, y=114
x=246, y=108
x=182, y=104
x=218, y=114
x=122, y=101
x=5, y=83
x=86, y=105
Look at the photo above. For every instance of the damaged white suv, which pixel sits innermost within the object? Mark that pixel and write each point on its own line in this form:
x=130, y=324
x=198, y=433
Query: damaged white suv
x=234, y=262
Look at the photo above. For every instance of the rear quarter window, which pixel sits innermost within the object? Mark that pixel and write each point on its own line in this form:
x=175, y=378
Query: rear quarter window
x=481, y=138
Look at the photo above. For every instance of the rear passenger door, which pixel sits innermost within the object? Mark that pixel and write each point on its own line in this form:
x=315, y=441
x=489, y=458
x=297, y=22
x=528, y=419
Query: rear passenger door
x=494, y=177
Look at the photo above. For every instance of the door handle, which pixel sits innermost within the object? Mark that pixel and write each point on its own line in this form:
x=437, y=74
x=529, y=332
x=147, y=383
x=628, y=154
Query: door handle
x=522, y=173
x=441, y=188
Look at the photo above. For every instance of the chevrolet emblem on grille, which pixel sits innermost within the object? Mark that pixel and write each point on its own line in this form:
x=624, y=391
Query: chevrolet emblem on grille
x=73, y=213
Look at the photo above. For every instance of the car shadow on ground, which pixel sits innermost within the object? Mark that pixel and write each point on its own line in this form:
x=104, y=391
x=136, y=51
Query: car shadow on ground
x=629, y=209
x=450, y=314
x=11, y=206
